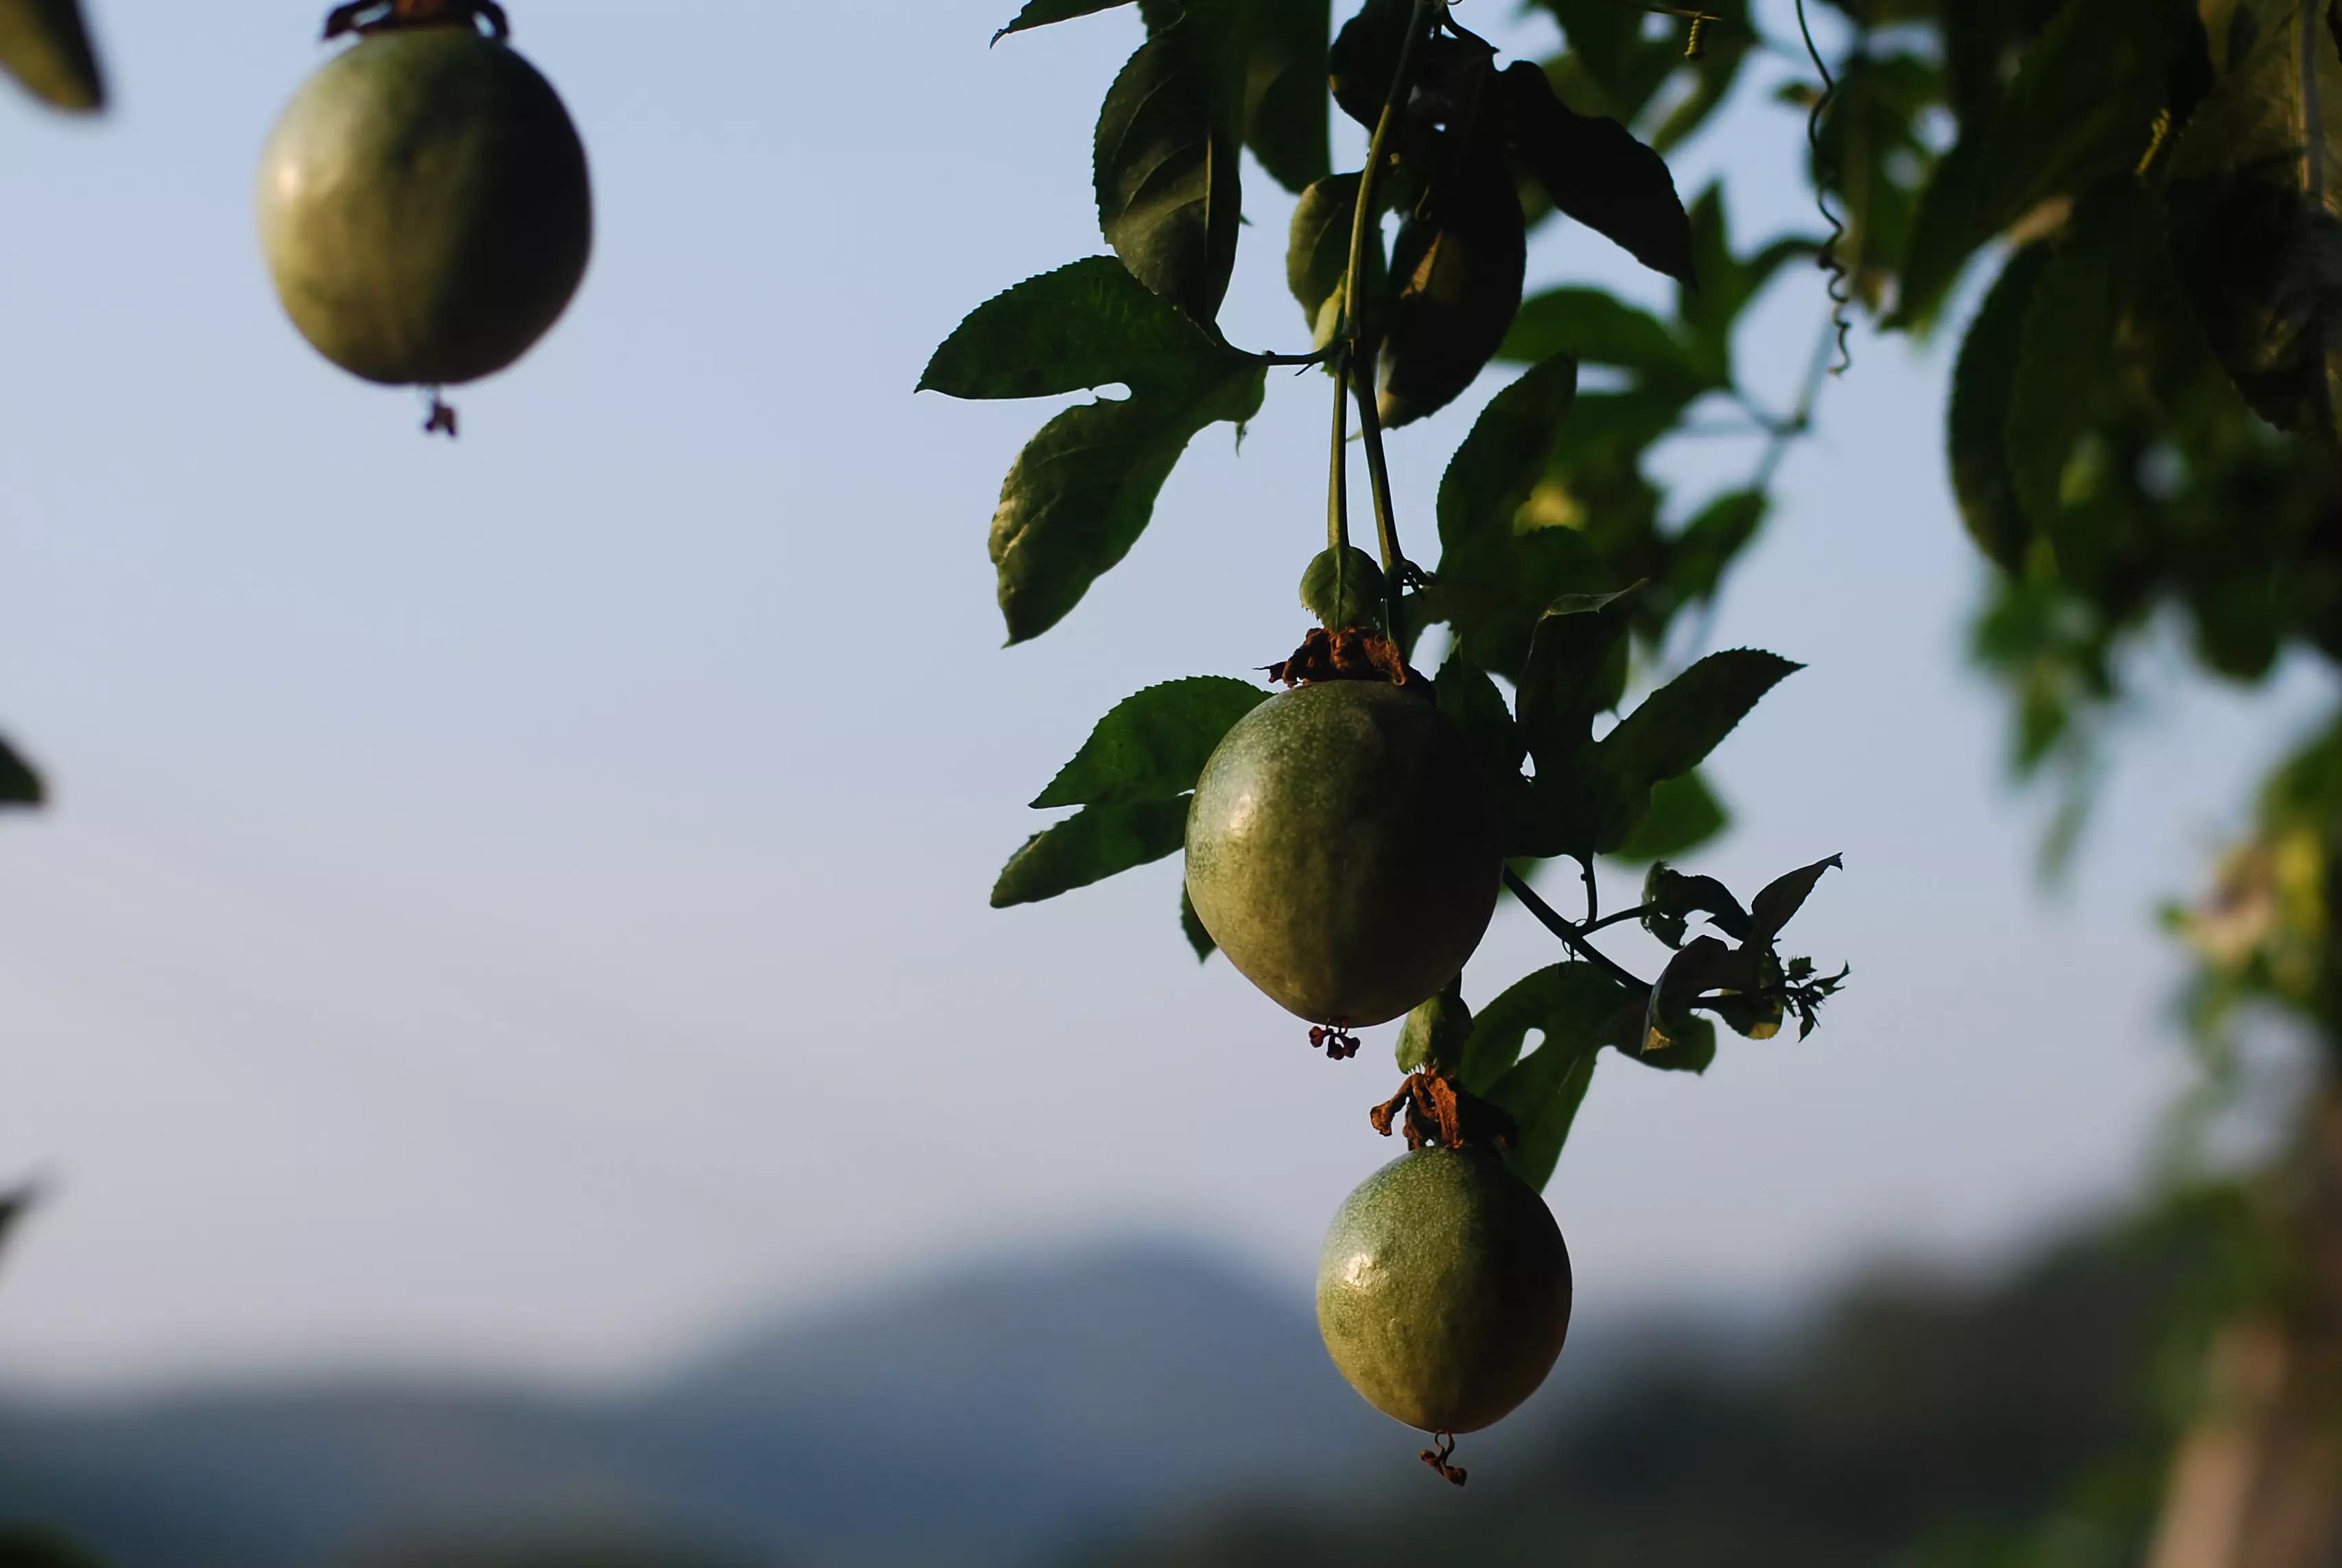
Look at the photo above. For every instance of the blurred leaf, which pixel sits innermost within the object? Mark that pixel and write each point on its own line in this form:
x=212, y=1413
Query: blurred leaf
x=1779, y=903
x=1191, y=925
x=1673, y=900
x=1343, y=587
x=1597, y=173
x=1082, y=491
x=1153, y=747
x=1456, y=269
x=2254, y=183
x=1684, y=815
x=1728, y=283
x=1595, y=327
x=1285, y=95
x=1576, y=1006
x=1680, y=724
x=1168, y=181
x=1042, y=12
x=2069, y=322
x=19, y=785
x=45, y=45
x=1982, y=389
x=1711, y=542
x=1317, y=256
x=1087, y=324
x=1543, y=1096
x=1091, y=845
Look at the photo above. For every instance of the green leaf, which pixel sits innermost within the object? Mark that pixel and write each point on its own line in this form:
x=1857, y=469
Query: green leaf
x=1285, y=90
x=1042, y=12
x=1343, y=587
x=1773, y=909
x=1091, y=845
x=1167, y=169
x=1684, y=815
x=1982, y=389
x=1317, y=256
x=1680, y=724
x=1711, y=542
x=2069, y=325
x=1597, y=328
x=19, y=785
x=1467, y=696
x=1576, y=1006
x=1191, y=925
x=1153, y=747
x=1673, y=1037
x=1082, y=491
x=1089, y=324
x=1728, y=283
x=1577, y=666
x=1457, y=265
x=1597, y=173
x=1543, y=1096
x=2256, y=181
x=1365, y=58
x=1672, y=901
x=45, y=45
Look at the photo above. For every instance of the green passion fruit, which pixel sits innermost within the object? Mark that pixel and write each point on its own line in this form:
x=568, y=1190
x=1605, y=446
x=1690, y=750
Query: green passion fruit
x=1342, y=850
x=1443, y=1292
x=45, y=45
x=425, y=208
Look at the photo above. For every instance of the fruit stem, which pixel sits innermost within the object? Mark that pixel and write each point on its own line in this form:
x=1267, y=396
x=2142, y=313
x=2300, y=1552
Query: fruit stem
x=1337, y=483
x=1364, y=349
x=1571, y=936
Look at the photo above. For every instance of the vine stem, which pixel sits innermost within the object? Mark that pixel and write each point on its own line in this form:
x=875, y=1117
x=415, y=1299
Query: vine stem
x=1571, y=936
x=1359, y=327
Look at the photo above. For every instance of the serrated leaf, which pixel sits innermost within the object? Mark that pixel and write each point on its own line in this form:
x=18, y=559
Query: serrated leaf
x=1083, y=489
x=2255, y=184
x=1467, y=696
x=1681, y=723
x=1456, y=270
x=19, y=785
x=1191, y=925
x=1087, y=324
x=1318, y=253
x=1091, y=845
x=1595, y=327
x=1042, y=12
x=1597, y=173
x=1343, y=587
x=45, y=46
x=1777, y=904
x=1672, y=1035
x=1982, y=388
x=1543, y=1096
x=1152, y=745
x=1672, y=901
x=1576, y=663
x=1684, y=815
x=1574, y=1005
x=1169, y=185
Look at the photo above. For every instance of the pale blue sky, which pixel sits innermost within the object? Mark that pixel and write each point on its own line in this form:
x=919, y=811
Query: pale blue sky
x=523, y=902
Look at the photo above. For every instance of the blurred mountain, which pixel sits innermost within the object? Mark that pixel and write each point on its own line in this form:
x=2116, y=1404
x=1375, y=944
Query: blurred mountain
x=967, y=1420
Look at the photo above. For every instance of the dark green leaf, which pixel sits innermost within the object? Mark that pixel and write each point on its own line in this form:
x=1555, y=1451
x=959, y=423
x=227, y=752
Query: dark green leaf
x=1752, y=1017
x=1168, y=182
x=1597, y=173
x=2069, y=325
x=45, y=45
x=1576, y=1006
x=1672, y=901
x=1982, y=388
x=1081, y=492
x=1510, y=447
x=1712, y=541
x=1317, y=256
x=1575, y=666
x=1673, y=1037
x=1284, y=119
x=1778, y=904
x=2255, y=183
x=1457, y=269
x=1365, y=58
x=1594, y=327
x=1470, y=698
x=1041, y=13
x=1343, y=587
x=1543, y=1096
x=1677, y=727
x=19, y=785
x=1728, y=283
x=25, y=1545
x=1087, y=324
x=1091, y=845
x=1153, y=747
x=1191, y=925
x=1684, y=815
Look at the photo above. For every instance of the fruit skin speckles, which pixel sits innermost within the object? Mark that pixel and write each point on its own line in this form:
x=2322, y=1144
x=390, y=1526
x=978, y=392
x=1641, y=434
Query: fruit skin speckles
x=1443, y=1292
x=426, y=208
x=1342, y=850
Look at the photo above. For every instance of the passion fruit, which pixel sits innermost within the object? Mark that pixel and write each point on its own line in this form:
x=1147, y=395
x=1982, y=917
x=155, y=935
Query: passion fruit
x=1342, y=850
x=45, y=45
x=1443, y=1292
x=424, y=206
